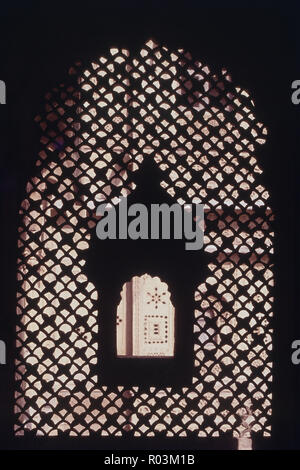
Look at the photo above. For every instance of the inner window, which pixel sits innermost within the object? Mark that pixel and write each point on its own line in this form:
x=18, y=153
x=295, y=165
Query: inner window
x=145, y=319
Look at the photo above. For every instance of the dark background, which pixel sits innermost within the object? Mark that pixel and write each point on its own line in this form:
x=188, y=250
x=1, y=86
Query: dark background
x=259, y=46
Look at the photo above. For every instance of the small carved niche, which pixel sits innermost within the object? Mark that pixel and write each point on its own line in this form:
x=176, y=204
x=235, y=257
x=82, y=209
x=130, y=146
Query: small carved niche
x=145, y=319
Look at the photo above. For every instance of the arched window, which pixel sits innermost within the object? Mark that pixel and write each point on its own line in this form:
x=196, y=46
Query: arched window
x=201, y=132
x=145, y=319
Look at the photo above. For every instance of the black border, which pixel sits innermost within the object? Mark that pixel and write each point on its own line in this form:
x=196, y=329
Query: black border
x=258, y=46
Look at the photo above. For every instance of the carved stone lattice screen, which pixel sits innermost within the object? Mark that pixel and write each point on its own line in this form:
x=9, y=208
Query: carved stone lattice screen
x=201, y=131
